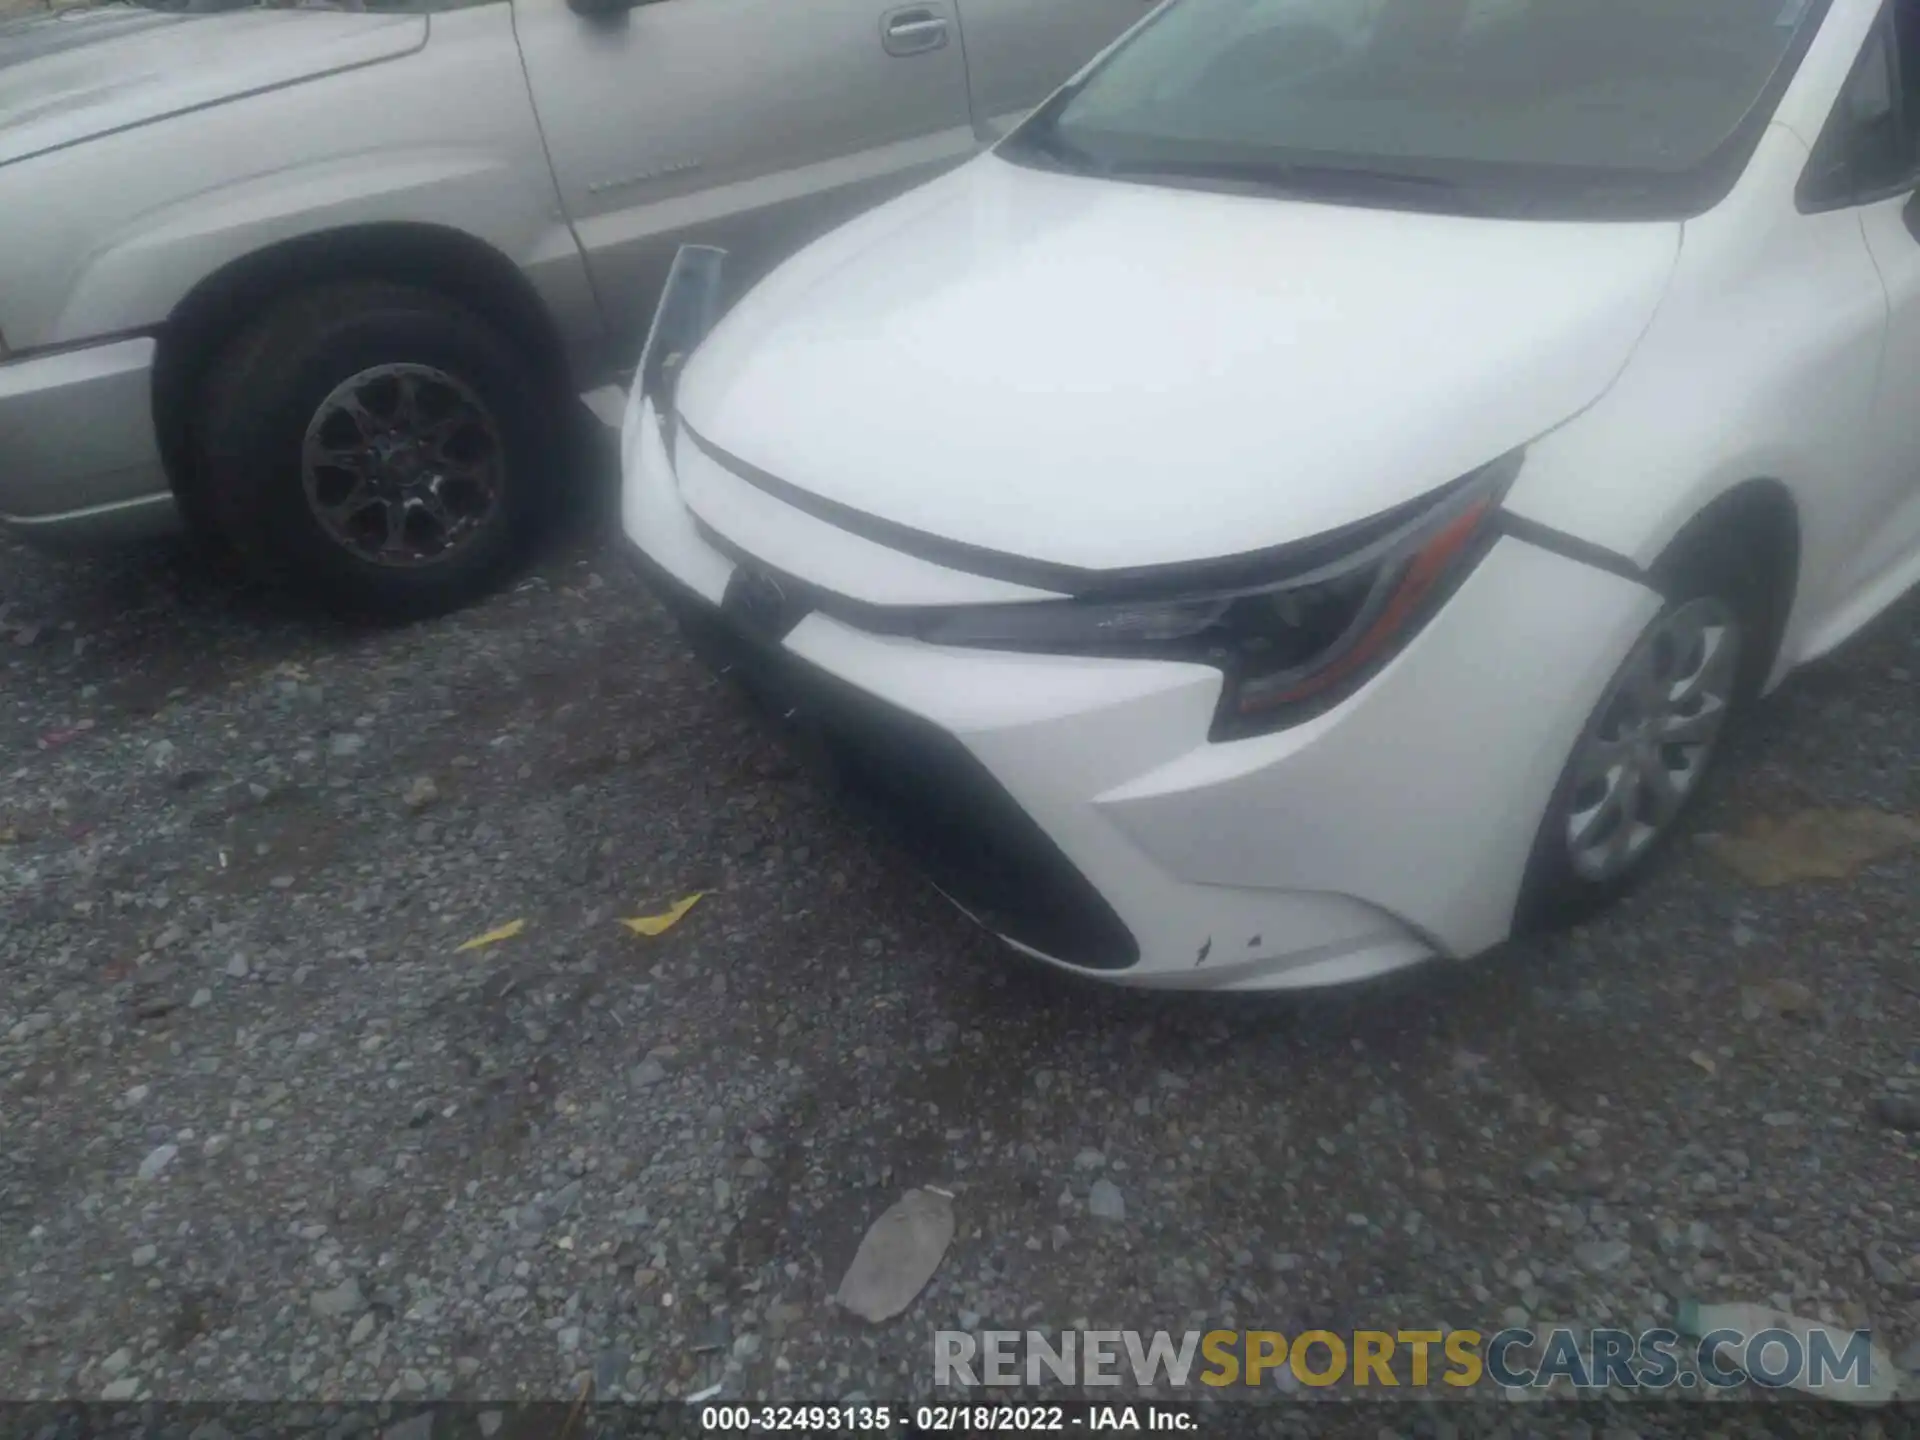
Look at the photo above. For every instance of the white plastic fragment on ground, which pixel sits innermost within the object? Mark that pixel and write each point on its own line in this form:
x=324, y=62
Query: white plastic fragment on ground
x=1876, y=1386
x=1105, y=1202
x=901, y=1251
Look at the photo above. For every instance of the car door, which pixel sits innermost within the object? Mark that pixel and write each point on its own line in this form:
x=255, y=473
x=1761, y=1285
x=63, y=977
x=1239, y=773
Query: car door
x=1876, y=127
x=753, y=125
x=1021, y=51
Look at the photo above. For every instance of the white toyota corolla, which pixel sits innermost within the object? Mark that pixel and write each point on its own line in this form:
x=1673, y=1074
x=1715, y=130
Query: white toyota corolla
x=1312, y=498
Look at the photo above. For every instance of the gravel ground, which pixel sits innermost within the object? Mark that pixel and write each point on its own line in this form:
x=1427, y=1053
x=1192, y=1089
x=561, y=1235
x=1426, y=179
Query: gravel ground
x=265, y=1131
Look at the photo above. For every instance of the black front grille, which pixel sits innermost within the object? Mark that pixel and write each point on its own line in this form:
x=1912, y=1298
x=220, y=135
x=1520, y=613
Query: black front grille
x=920, y=785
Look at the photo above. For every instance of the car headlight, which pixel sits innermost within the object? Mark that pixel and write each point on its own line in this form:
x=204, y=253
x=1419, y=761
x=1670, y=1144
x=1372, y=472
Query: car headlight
x=1290, y=647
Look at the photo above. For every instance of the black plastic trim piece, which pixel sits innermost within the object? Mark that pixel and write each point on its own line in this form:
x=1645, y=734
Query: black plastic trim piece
x=69, y=347
x=1545, y=537
x=1144, y=582
x=954, y=554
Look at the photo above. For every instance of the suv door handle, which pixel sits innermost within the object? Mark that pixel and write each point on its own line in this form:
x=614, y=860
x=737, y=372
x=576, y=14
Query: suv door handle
x=913, y=30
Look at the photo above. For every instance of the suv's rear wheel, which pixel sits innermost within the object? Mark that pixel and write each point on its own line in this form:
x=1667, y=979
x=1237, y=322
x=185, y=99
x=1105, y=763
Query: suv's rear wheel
x=376, y=448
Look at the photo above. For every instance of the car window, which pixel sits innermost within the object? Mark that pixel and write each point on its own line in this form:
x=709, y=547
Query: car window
x=1881, y=147
x=1639, y=92
x=1871, y=143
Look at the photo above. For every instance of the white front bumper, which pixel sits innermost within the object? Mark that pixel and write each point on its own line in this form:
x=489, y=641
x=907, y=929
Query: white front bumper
x=1392, y=828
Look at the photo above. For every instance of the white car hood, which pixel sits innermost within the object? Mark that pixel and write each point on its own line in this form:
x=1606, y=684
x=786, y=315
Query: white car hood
x=1102, y=375
x=69, y=77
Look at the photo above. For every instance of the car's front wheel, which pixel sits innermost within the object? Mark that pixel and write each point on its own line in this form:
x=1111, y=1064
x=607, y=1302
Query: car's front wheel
x=1646, y=750
x=376, y=448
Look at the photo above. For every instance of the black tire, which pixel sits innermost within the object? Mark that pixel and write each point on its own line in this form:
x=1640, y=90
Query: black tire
x=270, y=381
x=1553, y=893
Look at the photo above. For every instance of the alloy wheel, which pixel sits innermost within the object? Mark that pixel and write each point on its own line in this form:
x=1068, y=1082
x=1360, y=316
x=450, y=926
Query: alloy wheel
x=403, y=465
x=1653, y=737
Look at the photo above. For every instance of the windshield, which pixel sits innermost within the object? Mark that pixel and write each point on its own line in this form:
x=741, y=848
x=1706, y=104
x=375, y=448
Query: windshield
x=1462, y=104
